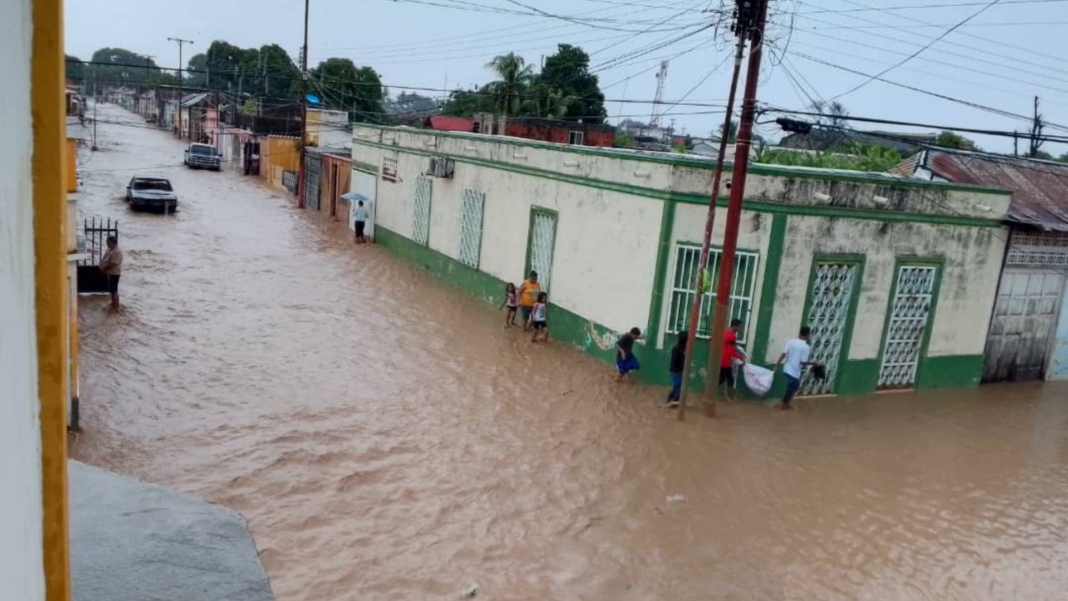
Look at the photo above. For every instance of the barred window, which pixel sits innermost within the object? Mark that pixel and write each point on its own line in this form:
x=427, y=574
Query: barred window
x=687, y=263
x=421, y=211
x=471, y=227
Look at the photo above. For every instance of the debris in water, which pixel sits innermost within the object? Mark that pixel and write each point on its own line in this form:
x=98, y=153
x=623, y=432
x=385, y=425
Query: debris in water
x=676, y=499
x=470, y=592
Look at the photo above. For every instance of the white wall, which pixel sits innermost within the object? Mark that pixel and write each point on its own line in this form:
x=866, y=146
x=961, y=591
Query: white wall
x=606, y=241
x=754, y=235
x=969, y=278
x=21, y=559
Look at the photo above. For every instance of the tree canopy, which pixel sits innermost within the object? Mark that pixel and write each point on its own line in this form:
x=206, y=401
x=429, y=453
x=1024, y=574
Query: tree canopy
x=358, y=90
x=267, y=71
x=123, y=67
x=564, y=89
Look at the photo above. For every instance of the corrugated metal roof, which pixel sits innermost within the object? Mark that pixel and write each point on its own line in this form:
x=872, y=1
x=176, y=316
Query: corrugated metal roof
x=191, y=99
x=1040, y=188
x=446, y=123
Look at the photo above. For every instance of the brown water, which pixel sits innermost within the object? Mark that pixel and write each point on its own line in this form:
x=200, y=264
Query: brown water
x=388, y=440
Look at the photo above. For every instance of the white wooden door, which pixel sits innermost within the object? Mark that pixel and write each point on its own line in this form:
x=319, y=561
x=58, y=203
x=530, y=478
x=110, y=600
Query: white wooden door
x=1025, y=317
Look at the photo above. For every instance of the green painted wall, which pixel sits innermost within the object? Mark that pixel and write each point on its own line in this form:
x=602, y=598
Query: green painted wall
x=961, y=371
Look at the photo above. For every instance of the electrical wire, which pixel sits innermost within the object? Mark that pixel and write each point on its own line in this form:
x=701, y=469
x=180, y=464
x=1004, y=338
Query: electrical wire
x=920, y=51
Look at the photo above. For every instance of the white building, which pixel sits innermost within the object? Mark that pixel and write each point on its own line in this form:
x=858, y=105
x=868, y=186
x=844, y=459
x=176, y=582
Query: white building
x=897, y=277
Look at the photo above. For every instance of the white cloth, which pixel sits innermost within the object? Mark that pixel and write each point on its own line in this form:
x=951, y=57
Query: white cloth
x=758, y=379
x=796, y=352
x=361, y=214
x=539, y=312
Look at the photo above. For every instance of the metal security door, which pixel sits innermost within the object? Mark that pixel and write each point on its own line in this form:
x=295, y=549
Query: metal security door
x=830, y=304
x=1025, y=316
x=909, y=317
x=540, y=245
x=421, y=211
x=312, y=168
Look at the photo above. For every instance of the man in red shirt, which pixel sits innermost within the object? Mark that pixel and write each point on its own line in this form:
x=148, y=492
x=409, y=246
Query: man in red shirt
x=730, y=353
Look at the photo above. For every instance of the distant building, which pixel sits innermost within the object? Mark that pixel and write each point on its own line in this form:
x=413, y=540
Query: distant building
x=546, y=130
x=448, y=123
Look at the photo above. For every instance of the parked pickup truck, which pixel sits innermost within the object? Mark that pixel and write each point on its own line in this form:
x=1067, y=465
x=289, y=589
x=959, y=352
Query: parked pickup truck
x=202, y=156
x=154, y=193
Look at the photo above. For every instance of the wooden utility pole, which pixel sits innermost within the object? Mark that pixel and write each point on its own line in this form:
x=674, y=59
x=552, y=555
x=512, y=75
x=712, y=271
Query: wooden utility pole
x=710, y=220
x=303, y=108
x=181, y=76
x=734, y=207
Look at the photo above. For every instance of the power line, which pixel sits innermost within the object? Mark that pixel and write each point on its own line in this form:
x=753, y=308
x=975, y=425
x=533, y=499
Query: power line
x=920, y=51
x=910, y=7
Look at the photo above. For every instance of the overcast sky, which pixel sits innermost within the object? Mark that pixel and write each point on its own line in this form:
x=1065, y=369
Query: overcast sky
x=1000, y=59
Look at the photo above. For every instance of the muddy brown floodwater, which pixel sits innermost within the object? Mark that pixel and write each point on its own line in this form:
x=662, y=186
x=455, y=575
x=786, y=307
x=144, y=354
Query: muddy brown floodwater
x=387, y=440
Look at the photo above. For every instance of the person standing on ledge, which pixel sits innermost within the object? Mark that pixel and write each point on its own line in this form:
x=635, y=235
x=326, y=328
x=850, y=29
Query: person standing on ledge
x=111, y=265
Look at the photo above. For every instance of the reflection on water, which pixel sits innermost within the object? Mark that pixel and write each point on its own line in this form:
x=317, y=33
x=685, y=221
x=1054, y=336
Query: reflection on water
x=387, y=440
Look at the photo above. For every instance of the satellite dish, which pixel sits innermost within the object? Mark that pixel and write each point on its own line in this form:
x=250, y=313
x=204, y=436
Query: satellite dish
x=312, y=98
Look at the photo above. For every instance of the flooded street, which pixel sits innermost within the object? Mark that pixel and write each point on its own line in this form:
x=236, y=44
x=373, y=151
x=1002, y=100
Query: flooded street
x=387, y=440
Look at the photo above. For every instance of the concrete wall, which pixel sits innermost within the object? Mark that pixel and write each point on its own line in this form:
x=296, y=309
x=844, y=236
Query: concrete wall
x=971, y=263
x=613, y=241
x=21, y=550
x=278, y=154
x=606, y=242
x=329, y=129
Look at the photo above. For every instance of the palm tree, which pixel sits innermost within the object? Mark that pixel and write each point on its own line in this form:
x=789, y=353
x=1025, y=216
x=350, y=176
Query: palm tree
x=514, y=74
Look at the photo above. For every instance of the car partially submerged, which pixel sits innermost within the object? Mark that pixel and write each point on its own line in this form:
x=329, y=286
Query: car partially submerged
x=202, y=156
x=153, y=193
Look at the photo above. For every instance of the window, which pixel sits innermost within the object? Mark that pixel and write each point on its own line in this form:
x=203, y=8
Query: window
x=540, y=245
x=577, y=138
x=389, y=169
x=687, y=262
x=471, y=227
x=421, y=211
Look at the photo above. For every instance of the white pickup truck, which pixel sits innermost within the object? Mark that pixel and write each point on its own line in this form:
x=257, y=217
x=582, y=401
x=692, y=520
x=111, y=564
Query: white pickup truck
x=202, y=156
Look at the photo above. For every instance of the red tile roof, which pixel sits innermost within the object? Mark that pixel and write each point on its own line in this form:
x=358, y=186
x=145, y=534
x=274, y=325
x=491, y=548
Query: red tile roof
x=1040, y=188
x=445, y=123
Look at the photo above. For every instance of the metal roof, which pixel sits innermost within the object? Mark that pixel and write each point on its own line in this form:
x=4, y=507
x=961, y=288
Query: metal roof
x=191, y=99
x=447, y=123
x=1040, y=188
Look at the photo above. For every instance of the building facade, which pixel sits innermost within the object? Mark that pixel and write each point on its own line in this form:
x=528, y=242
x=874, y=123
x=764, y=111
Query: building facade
x=892, y=274
x=1028, y=333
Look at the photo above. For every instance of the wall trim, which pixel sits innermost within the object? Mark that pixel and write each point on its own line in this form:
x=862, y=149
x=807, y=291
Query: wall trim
x=680, y=160
x=769, y=288
x=760, y=206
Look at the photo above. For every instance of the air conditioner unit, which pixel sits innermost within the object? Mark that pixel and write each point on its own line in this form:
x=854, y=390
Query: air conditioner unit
x=442, y=167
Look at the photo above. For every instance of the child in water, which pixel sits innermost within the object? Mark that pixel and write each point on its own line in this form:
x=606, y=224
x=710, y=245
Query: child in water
x=511, y=300
x=538, y=320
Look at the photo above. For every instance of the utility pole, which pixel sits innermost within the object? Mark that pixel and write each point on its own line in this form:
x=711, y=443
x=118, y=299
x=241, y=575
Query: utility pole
x=710, y=221
x=181, y=76
x=734, y=206
x=303, y=108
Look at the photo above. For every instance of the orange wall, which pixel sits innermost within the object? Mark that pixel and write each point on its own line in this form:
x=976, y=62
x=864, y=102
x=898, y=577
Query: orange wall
x=72, y=165
x=278, y=154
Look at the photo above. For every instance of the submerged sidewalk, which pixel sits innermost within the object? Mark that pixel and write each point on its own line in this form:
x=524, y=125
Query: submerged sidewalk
x=139, y=542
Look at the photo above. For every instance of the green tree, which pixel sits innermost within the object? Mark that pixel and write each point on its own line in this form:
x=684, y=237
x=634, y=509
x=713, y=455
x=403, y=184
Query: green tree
x=860, y=157
x=949, y=139
x=732, y=132
x=515, y=75
x=570, y=91
x=466, y=103
x=624, y=140
x=119, y=66
x=358, y=89
x=75, y=69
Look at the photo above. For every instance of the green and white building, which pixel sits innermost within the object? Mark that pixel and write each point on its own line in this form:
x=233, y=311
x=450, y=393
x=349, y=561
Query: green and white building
x=897, y=277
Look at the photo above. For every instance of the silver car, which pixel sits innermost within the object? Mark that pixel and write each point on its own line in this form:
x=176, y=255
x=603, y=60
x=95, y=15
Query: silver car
x=153, y=193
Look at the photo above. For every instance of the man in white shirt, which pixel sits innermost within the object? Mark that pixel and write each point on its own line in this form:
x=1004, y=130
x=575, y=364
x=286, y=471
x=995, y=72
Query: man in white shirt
x=793, y=360
x=360, y=217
